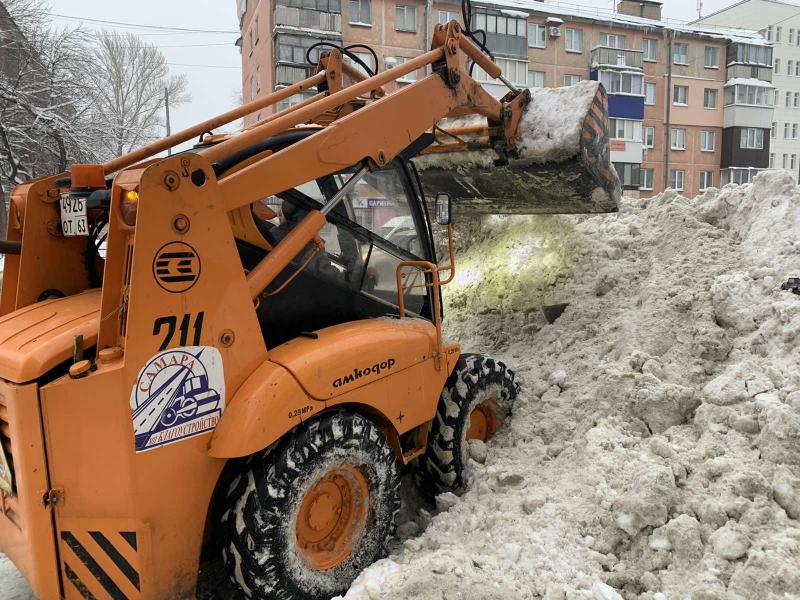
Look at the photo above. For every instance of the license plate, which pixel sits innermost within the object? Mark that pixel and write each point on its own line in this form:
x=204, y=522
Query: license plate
x=73, y=215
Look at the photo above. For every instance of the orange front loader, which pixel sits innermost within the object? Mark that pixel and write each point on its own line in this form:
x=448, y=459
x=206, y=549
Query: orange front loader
x=239, y=347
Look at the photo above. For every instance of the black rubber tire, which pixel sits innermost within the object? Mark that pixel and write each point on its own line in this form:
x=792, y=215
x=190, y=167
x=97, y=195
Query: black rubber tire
x=475, y=378
x=258, y=522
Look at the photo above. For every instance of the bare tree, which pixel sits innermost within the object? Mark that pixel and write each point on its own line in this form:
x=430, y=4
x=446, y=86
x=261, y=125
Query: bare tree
x=43, y=112
x=128, y=78
x=41, y=104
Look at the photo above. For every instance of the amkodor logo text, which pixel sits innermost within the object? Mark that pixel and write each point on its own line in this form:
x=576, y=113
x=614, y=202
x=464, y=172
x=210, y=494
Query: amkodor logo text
x=375, y=369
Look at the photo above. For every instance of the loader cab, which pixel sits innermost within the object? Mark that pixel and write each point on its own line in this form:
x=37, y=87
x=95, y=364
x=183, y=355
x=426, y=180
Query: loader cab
x=381, y=222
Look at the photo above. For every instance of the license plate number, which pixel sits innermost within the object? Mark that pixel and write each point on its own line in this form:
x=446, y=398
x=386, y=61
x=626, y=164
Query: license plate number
x=73, y=216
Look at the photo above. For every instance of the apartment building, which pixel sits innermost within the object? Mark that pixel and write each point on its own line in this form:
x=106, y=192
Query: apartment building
x=690, y=107
x=779, y=22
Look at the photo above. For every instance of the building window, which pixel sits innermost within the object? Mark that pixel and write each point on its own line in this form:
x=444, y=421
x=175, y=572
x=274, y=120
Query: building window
x=709, y=98
x=650, y=49
x=250, y=43
x=646, y=179
x=680, y=95
x=253, y=86
x=536, y=79
x=445, y=16
x=500, y=24
x=794, y=131
x=676, y=179
x=786, y=127
x=257, y=28
x=405, y=18
x=367, y=59
x=571, y=80
x=650, y=93
x=680, y=54
x=797, y=68
x=711, y=57
x=793, y=162
x=678, y=139
x=537, y=36
x=772, y=160
x=791, y=36
x=769, y=33
x=788, y=99
x=573, y=40
x=790, y=67
x=708, y=141
x=752, y=138
x=360, y=12
x=706, y=180
x=755, y=95
x=613, y=40
x=408, y=77
x=625, y=129
x=649, y=139
x=750, y=54
x=628, y=173
x=797, y=97
x=785, y=161
x=777, y=65
x=773, y=130
x=622, y=83
x=515, y=71
x=778, y=34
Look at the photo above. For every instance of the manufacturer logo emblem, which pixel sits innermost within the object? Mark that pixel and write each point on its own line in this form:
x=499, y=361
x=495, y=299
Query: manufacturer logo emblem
x=176, y=267
x=178, y=395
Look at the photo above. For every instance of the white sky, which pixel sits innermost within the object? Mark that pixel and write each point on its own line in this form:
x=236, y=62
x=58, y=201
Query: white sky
x=214, y=90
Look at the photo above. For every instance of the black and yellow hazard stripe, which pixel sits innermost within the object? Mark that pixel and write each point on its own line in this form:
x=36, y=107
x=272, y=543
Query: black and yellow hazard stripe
x=108, y=559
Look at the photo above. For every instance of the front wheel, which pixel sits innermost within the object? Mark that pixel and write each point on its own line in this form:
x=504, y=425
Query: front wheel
x=475, y=402
x=311, y=513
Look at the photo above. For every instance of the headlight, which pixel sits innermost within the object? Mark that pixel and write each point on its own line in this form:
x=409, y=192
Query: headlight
x=130, y=204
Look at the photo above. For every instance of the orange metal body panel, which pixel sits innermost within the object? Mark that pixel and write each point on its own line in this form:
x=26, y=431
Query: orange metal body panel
x=305, y=376
x=26, y=528
x=323, y=365
x=36, y=338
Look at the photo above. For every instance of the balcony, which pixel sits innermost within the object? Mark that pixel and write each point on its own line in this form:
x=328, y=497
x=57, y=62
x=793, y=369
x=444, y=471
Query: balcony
x=305, y=18
x=615, y=57
x=288, y=75
x=750, y=72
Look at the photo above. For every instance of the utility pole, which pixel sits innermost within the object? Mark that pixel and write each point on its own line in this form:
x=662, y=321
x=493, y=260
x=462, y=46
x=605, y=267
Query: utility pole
x=699, y=9
x=667, y=134
x=169, y=129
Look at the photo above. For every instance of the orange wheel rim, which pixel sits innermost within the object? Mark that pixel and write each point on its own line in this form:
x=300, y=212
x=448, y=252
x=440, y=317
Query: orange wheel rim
x=483, y=421
x=332, y=517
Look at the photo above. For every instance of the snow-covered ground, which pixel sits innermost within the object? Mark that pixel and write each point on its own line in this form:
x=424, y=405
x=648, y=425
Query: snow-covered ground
x=13, y=585
x=655, y=450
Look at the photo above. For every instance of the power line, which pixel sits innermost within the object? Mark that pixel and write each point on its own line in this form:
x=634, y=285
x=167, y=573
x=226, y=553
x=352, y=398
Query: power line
x=140, y=26
x=202, y=66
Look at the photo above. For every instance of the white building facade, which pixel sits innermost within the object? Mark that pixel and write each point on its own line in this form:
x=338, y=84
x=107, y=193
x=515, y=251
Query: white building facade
x=779, y=22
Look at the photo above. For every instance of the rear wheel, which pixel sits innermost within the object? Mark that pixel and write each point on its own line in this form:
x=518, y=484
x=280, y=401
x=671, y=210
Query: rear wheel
x=310, y=514
x=475, y=402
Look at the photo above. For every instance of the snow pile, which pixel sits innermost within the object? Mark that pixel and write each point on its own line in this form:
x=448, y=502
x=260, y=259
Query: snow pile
x=655, y=450
x=549, y=130
x=551, y=125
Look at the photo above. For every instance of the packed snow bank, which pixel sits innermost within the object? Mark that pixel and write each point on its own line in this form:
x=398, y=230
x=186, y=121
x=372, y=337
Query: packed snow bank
x=549, y=130
x=551, y=125
x=655, y=450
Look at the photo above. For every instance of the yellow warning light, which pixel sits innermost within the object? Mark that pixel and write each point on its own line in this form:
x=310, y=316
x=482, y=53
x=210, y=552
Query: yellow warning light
x=132, y=196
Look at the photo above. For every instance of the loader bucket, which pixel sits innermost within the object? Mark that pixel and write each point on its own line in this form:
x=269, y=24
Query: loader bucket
x=560, y=162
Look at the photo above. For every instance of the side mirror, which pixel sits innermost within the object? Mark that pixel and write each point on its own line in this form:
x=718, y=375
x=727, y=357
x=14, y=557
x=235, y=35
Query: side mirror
x=443, y=206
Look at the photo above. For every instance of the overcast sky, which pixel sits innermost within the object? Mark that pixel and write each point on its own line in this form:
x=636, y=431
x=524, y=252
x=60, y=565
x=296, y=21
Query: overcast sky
x=216, y=83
